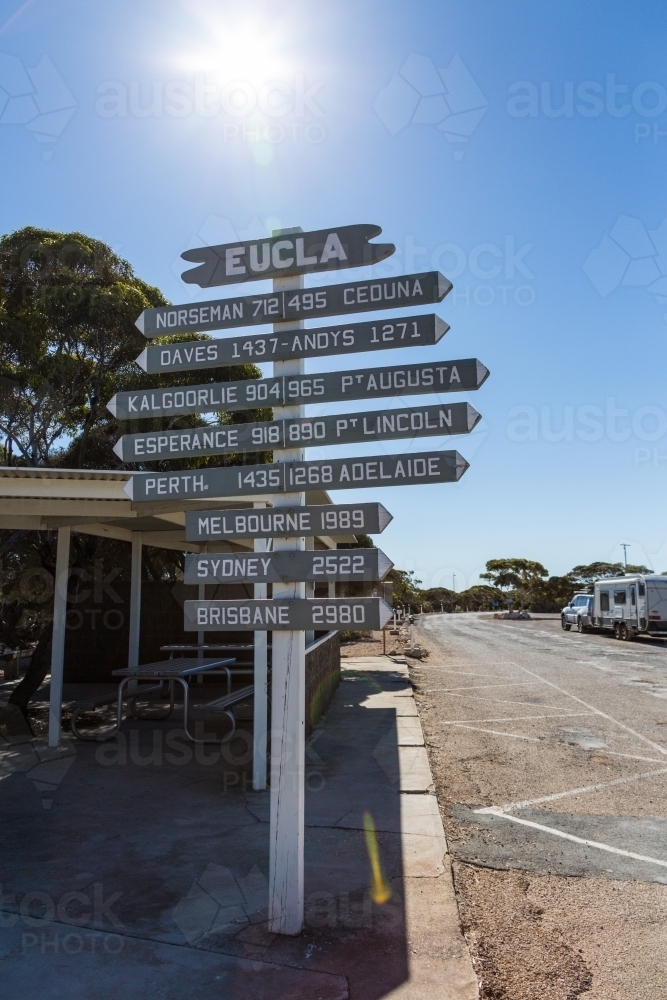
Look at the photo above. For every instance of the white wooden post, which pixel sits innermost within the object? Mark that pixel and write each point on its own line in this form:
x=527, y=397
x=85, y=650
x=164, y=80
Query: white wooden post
x=260, y=681
x=135, y=601
x=288, y=708
x=310, y=591
x=332, y=588
x=58, y=640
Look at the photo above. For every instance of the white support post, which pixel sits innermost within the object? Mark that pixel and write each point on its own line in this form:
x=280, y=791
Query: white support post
x=58, y=640
x=310, y=591
x=332, y=588
x=135, y=602
x=288, y=708
x=260, y=681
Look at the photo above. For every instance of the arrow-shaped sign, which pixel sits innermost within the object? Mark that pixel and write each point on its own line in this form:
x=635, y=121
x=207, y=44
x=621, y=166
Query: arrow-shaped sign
x=465, y=374
x=286, y=522
x=417, y=468
x=322, y=342
x=299, y=432
x=332, y=613
x=280, y=256
x=345, y=565
x=301, y=303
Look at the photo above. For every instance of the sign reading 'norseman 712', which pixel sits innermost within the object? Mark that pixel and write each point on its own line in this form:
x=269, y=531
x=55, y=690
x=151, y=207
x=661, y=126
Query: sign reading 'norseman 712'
x=277, y=307
x=373, y=335
x=287, y=522
x=418, y=468
x=465, y=374
x=280, y=256
x=278, y=567
x=300, y=432
x=287, y=616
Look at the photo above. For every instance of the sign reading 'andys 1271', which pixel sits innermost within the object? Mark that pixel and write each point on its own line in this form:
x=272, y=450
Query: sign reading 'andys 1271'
x=280, y=256
x=412, y=469
x=278, y=307
x=286, y=616
x=321, y=342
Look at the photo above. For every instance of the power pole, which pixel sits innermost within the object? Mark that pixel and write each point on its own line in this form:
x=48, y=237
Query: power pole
x=625, y=546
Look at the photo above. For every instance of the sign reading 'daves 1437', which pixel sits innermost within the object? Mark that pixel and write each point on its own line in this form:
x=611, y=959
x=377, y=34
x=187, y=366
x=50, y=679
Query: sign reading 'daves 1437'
x=462, y=375
x=298, y=432
x=418, y=468
x=321, y=342
x=277, y=307
x=280, y=256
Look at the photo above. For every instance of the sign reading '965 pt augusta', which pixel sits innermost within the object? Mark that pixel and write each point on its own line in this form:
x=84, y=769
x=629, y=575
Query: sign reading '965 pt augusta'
x=278, y=567
x=326, y=341
x=413, y=469
x=288, y=254
x=286, y=616
x=287, y=522
x=302, y=303
x=462, y=375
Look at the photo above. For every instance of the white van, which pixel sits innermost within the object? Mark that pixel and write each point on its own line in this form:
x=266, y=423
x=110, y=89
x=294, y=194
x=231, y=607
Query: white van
x=631, y=606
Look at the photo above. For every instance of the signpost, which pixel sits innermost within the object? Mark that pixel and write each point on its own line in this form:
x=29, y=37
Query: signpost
x=338, y=519
x=287, y=616
x=282, y=305
x=318, y=342
x=347, y=565
x=349, y=428
x=414, y=468
x=466, y=374
x=286, y=255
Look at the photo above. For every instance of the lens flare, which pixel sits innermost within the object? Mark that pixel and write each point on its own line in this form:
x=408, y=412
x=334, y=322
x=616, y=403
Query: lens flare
x=380, y=888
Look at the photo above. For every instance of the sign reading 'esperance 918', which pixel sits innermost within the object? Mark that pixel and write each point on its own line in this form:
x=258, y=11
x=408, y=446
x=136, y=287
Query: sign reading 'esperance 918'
x=277, y=307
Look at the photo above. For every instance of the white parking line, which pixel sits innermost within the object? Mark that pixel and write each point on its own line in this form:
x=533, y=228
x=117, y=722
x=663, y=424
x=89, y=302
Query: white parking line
x=577, y=840
x=517, y=718
x=477, y=687
x=495, y=732
x=585, y=789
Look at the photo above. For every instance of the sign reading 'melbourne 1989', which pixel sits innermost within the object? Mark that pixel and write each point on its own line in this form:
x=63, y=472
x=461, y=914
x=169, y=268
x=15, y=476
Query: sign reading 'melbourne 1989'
x=319, y=342
x=279, y=567
x=287, y=522
x=465, y=374
x=348, y=428
x=287, y=616
x=276, y=307
x=417, y=468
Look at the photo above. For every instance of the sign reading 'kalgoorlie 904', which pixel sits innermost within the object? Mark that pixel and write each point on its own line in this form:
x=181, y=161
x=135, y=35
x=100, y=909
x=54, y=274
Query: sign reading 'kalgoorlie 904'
x=462, y=375
x=286, y=522
x=300, y=432
x=293, y=477
x=301, y=303
x=326, y=341
x=286, y=616
x=280, y=256
x=279, y=567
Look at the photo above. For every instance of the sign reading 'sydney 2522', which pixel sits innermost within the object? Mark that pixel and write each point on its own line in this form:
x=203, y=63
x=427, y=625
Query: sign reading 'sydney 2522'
x=302, y=303
x=288, y=254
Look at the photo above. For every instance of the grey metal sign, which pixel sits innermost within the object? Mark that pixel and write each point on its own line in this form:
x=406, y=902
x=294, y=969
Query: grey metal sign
x=331, y=613
x=290, y=390
x=344, y=565
x=412, y=469
x=302, y=303
x=286, y=522
x=299, y=432
x=325, y=341
x=290, y=254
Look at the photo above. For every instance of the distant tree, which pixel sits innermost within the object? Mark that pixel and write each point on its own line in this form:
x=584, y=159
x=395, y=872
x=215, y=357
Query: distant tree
x=521, y=576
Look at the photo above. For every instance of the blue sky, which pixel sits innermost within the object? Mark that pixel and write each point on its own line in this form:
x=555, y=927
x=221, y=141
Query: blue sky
x=519, y=148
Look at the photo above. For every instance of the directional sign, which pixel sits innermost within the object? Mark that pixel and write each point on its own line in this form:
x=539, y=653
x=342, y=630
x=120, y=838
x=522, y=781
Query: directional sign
x=279, y=256
x=282, y=567
x=286, y=522
x=299, y=432
x=287, y=616
x=417, y=468
x=325, y=341
x=311, y=303
x=290, y=390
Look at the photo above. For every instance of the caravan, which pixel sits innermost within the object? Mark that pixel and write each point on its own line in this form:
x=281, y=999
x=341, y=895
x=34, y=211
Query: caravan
x=631, y=605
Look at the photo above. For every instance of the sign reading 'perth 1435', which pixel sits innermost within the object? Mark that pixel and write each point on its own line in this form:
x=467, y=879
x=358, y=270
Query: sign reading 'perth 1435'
x=280, y=256
x=320, y=342
x=277, y=307
x=290, y=390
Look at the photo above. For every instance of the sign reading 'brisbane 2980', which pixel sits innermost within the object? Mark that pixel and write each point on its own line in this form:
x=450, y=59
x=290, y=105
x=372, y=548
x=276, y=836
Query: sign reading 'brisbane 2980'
x=299, y=304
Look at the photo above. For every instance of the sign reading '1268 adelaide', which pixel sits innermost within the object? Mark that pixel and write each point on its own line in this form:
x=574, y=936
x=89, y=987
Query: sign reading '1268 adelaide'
x=311, y=303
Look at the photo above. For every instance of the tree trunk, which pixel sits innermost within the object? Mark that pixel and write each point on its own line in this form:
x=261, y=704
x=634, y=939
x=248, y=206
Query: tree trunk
x=37, y=671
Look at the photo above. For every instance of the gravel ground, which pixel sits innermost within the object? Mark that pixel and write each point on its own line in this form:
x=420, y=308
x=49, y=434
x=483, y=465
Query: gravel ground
x=562, y=888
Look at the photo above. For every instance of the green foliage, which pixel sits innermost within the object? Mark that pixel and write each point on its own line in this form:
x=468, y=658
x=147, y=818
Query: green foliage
x=522, y=576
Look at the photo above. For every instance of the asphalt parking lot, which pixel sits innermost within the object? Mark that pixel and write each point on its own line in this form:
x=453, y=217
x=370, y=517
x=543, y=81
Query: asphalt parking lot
x=549, y=753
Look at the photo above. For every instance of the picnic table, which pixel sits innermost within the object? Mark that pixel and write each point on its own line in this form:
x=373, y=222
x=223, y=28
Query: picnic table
x=166, y=673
